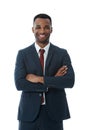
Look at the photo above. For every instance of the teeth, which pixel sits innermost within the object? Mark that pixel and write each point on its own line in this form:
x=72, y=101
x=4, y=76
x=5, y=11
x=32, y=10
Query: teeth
x=42, y=36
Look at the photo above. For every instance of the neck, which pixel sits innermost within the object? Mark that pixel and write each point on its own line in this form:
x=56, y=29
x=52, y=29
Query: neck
x=42, y=45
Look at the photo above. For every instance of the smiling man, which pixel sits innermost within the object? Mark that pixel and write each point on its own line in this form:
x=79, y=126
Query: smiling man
x=42, y=28
x=43, y=71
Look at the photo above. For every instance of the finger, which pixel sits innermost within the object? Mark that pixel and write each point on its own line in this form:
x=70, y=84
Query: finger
x=64, y=72
x=63, y=69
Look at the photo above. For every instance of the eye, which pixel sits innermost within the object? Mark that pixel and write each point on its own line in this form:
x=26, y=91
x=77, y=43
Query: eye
x=47, y=27
x=37, y=27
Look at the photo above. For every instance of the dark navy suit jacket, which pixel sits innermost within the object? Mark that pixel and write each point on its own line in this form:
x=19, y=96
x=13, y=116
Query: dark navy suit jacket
x=56, y=102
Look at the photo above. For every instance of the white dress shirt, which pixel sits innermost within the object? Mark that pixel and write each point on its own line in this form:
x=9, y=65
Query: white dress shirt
x=46, y=48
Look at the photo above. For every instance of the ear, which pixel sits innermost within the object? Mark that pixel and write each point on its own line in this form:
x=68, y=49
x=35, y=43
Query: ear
x=51, y=29
x=33, y=29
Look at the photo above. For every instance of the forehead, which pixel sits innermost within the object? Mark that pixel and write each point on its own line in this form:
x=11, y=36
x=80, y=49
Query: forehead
x=42, y=21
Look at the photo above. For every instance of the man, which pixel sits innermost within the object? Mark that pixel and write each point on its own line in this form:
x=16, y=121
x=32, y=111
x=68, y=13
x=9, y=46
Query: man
x=42, y=76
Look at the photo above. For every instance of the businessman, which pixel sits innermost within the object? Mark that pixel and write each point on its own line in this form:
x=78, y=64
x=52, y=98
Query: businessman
x=42, y=72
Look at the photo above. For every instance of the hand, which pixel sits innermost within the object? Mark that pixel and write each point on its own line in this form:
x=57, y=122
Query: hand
x=34, y=78
x=62, y=71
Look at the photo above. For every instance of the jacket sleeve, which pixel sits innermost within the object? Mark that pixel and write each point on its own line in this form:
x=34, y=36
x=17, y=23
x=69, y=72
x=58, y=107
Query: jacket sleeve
x=61, y=82
x=20, y=77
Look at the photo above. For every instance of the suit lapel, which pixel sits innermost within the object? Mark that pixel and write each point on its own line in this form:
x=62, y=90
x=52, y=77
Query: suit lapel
x=49, y=58
x=35, y=57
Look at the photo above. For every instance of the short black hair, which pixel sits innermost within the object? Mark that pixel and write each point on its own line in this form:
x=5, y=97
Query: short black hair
x=42, y=15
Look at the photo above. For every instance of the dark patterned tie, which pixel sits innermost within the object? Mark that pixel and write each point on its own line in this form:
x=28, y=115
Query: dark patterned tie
x=42, y=64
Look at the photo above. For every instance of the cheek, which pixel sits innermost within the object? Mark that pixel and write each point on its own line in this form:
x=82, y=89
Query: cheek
x=34, y=31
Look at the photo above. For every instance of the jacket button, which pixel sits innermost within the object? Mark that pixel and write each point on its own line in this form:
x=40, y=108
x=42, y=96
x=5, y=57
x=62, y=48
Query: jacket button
x=40, y=94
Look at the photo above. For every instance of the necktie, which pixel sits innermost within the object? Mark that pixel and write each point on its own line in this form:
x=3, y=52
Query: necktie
x=42, y=64
x=42, y=57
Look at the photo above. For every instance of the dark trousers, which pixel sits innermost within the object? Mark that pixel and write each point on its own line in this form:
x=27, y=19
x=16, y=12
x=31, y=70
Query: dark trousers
x=43, y=122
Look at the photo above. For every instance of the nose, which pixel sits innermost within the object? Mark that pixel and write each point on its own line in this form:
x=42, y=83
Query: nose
x=42, y=30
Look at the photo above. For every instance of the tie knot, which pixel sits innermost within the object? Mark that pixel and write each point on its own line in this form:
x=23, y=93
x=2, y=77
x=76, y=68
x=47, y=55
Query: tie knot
x=41, y=51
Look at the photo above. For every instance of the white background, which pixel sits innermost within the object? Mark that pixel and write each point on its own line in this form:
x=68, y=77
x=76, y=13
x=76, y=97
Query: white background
x=69, y=31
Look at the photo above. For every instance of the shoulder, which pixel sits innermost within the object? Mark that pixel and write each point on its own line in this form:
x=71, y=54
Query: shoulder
x=57, y=48
x=60, y=52
x=27, y=49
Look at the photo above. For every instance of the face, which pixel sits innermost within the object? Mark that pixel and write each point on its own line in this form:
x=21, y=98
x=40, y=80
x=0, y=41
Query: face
x=42, y=29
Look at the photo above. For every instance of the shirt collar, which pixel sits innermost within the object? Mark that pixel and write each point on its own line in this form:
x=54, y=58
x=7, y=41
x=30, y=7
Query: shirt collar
x=46, y=48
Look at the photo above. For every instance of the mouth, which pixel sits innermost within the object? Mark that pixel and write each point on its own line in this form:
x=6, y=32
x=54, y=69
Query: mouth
x=42, y=35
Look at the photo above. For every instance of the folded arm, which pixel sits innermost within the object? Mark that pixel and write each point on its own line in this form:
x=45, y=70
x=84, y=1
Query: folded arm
x=66, y=80
x=21, y=83
x=64, y=77
x=40, y=79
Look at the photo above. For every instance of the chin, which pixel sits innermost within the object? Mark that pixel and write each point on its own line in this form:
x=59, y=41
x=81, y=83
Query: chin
x=44, y=42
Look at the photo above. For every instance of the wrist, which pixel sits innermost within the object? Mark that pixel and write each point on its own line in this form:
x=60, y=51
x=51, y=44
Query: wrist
x=41, y=79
